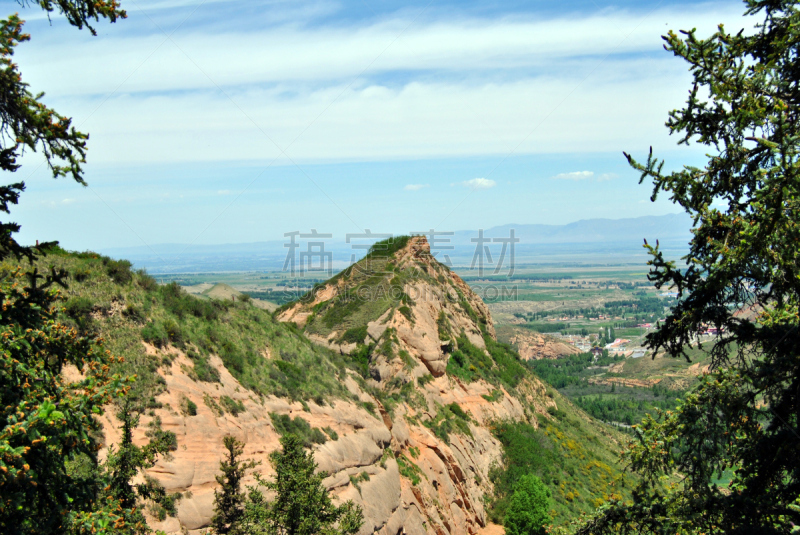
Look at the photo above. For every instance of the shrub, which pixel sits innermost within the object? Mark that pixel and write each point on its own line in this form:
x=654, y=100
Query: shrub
x=154, y=333
x=233, y=406
x=118, y=270
x=188, y=407
x=146, y=282
x=134, y=312
x=405, y=311
x=79, y=308
x=409, y=470
x=425, y=379
x=369, y=407
x=203, y=370
x=527, y=510
x=356, y=335
x=173, y=331
x=299, y=427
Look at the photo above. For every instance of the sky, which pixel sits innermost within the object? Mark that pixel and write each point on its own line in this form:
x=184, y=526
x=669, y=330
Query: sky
x=222, y=121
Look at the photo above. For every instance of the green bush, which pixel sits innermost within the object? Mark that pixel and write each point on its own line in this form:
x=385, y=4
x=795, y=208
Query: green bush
x=146, y=282
x=79, y=310
x=118, y=270
x=173, y=331
x=450, y=419
x=154, y=333
x=409, y=470
x=299, y=427
x=203, y=370
x=134, y=312
x=188, y=407
x=232, y=406
x=356, y=335
x=527, y=512
x=388, y=246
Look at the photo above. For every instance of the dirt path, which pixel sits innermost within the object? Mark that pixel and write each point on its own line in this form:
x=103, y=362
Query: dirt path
x=492, y=529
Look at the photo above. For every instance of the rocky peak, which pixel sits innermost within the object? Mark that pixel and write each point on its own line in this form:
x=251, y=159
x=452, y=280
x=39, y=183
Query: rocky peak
x=399, y=304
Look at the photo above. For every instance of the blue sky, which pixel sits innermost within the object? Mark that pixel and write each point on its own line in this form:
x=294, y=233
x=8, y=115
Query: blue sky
x=223, y=121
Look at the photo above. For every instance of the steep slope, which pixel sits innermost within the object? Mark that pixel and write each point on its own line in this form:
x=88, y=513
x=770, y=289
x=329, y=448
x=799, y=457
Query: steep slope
x=427, y=348
x=417, y=414
x=400, y=300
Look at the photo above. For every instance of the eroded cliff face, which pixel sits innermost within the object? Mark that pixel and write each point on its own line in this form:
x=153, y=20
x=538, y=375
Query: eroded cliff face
x=407, y=478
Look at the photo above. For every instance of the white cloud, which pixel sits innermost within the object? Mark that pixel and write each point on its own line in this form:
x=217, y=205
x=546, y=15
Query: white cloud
x=416, y=187
x=342, y=52
x=575, y=175
x=607, y=176
x=224, y=192
x=67, y=201
x=139, y=95
x=479, y=183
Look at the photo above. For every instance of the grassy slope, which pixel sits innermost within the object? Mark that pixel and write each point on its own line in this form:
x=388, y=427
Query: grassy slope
x=125, y=308
x=574, y=455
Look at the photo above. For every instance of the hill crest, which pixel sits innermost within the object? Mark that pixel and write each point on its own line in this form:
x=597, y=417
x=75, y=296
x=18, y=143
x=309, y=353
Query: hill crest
x=400, y=301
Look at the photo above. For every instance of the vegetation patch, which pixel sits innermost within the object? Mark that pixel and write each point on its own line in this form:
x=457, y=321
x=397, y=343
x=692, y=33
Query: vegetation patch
x=450, y=419
x=501, y=367
x=570, y=455
x=232, y=406
x=238, y=332
x=409, y=470
x=356, y=335
x=188, y=407
x=299, y=427
x=496, y=395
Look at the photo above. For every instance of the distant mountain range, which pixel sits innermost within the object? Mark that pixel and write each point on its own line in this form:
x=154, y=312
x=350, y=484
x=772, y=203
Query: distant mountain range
x=589, y=241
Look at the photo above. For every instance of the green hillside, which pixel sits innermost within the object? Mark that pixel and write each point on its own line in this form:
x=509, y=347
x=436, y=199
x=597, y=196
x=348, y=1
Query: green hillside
x=126, y=308
x=573, y=454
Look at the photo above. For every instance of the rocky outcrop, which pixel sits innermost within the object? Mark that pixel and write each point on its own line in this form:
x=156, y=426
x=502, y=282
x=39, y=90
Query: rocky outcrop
x=452, y=478
x=436, y=307
x=533, y=346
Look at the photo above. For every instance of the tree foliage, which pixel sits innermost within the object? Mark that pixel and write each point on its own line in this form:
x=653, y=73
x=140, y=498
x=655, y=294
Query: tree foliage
x=127, y=461
x=47, y=423
x=742, y=276
x=527, y=512
x=229, y=501
x=301, y=506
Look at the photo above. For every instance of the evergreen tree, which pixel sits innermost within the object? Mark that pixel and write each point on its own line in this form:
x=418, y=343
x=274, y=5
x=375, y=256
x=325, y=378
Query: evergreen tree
x=742, y=276
x=302, y=505
x=125, y=462
x=229, y=501
x=47, y=426
x=527, y=512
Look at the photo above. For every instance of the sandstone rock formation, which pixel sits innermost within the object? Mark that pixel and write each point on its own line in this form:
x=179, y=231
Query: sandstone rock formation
x=405, y=477
x=532, y=345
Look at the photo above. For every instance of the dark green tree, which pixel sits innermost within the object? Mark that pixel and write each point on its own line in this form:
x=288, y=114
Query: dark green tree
x=46, y=423
x=230, y=499
x=128, y=460
x=742, y=276
x=527, y=512
x=302, y=505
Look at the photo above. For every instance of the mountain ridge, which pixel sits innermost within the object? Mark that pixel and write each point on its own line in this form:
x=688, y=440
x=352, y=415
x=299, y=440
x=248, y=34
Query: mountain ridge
x=424, y=453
